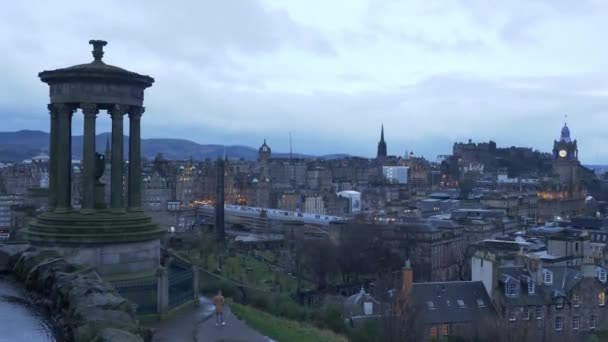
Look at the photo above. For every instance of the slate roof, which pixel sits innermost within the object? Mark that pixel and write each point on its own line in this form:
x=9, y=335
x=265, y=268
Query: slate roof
x=564, y=280
x=452, y=302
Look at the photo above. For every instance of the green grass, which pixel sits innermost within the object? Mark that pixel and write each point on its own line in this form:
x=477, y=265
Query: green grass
x=281, y=329
x=255, y=273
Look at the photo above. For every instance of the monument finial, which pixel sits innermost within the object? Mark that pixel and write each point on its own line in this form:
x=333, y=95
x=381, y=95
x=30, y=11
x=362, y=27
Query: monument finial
x=98, y=48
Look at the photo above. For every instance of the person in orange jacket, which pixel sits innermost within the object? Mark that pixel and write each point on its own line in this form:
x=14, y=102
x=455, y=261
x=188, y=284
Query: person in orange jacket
x=218, y=301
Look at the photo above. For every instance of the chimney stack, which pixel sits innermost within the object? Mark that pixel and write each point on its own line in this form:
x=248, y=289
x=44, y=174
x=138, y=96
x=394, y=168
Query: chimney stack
x=408, y=276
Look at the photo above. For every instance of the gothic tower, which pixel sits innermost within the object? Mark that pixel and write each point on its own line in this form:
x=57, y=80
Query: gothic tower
x=264, y=152
x=565, y=158
x=381, y=145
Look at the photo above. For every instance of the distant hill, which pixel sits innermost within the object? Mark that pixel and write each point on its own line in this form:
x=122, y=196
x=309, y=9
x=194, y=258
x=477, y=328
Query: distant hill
x=21, y=145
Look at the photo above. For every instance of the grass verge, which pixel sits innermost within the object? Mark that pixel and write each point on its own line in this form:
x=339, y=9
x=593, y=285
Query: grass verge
x=281, y=329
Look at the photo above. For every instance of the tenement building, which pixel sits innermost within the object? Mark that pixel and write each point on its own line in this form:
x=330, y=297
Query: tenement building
x=536, y=302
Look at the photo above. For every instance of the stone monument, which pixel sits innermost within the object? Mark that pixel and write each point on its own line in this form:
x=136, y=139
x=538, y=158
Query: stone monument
x=119, y=240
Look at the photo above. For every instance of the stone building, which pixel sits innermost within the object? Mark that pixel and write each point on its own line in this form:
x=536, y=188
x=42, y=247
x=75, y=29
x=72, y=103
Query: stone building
x=314, y=205
x=184, y=184
x=440, y=311
x=553, y=303
x=435, y=247
x=319, y=178
x=564, y=195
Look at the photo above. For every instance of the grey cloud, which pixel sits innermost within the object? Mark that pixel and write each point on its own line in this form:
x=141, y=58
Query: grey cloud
x=521, y=17
x=206, y=92
x=425, y=117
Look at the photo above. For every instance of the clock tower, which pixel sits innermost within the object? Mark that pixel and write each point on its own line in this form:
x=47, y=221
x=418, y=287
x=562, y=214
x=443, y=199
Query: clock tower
x=565, y=159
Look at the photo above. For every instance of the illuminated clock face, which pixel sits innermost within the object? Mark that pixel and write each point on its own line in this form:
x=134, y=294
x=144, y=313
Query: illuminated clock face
x=563, y=153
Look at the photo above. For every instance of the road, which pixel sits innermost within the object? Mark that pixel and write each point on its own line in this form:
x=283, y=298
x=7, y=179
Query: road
x=198, y=325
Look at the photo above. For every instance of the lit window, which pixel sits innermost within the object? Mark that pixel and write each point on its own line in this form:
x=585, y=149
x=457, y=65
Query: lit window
x=539, y=312
x=559, y=323
x=548, y=277
x=601, y=298
x=592, y=321
x=433, y=331
x=512, y=316
x=480, y=303
x=575, y=323
x=526, y=313
x=446, y=330
x=576, y=301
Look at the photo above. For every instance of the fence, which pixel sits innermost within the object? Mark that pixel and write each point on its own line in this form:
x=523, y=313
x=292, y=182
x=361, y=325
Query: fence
x=181, y=286
x=141, y=292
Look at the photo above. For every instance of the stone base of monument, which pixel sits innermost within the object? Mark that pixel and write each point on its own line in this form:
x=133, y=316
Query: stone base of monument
x=75, y=228
x=117, y=260
x=117, y=243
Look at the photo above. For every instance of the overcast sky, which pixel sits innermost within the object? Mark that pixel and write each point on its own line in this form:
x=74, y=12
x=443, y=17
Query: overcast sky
x=331, y=72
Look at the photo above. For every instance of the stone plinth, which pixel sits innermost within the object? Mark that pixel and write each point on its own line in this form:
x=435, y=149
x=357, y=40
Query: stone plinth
x=113, y=242
x=118, y=260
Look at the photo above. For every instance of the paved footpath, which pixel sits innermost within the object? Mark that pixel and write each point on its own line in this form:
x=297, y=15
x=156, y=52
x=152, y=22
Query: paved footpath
x=198, y=325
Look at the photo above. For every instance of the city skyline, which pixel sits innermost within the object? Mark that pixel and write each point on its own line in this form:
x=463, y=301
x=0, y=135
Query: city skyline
x=430, y=73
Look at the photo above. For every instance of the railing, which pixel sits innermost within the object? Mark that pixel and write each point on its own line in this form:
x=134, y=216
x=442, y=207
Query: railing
x=180, y=287
x=143, y=293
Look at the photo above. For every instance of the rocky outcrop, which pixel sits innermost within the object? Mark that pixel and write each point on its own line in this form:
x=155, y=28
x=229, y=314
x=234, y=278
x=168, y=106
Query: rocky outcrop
x=80, y=302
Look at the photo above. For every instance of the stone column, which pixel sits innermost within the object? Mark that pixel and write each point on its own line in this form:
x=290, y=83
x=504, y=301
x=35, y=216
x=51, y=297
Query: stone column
x=52, y=166
x=88, y=156
x=117, y=113
x=135, y=158
x=63, y=153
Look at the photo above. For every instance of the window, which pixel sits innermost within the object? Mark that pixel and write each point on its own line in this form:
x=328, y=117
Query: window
x=576, y=301
x=445, y=330
x=480, y=303
x=512, y=316
x=531, y=287
x=547, y=277
x=539, y=312
x=601, y=298
x=592, y=321
x=368, y=308
x=559, y=323
x=461, y=304
x=433, y=332
x=575, y=322
x=526, y=313
x=601, y=274
x=560, y=302
x=430, y=305
x=511, y=289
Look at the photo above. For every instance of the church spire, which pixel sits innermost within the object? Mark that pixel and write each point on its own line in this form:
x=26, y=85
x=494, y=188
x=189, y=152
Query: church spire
x=107, y=152
x=381, y=145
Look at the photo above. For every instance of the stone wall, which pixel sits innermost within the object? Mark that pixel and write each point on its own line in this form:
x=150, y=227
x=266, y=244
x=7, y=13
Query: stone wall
x=80, y=302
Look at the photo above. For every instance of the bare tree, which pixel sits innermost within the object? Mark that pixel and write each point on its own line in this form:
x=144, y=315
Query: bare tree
x=319, y=257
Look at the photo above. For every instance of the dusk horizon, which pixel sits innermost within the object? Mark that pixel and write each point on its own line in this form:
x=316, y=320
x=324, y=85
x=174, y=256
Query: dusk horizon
x=432, y=73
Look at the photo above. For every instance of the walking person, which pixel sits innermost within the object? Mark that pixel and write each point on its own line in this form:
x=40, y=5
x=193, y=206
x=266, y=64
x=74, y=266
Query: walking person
x=218, y=301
